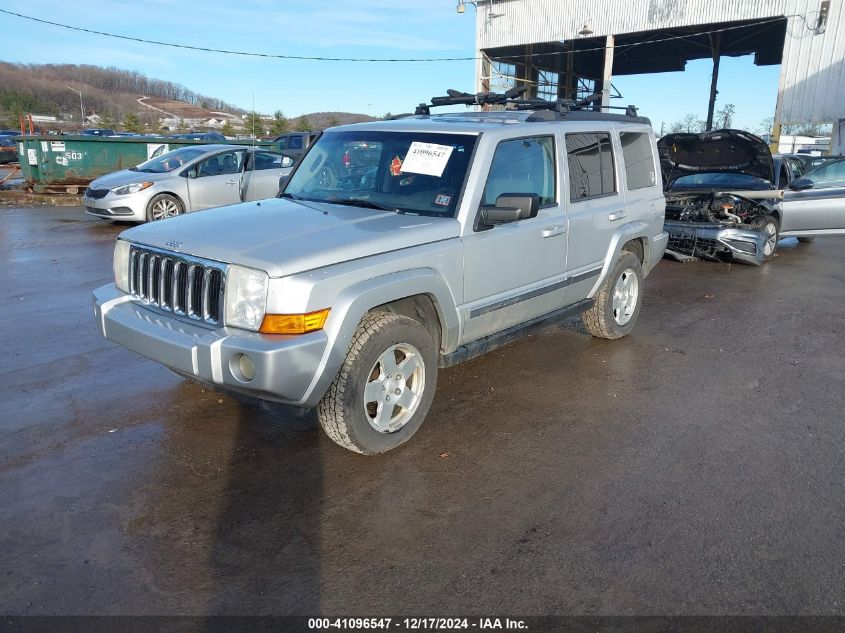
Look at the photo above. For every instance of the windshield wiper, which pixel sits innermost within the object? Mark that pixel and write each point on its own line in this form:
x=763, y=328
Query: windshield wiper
x=364, y=204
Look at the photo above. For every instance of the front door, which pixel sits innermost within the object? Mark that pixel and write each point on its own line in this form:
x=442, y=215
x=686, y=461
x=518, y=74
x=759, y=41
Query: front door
x=820, y=208
x=514, y=272
x=215, y=181
x=261, y=176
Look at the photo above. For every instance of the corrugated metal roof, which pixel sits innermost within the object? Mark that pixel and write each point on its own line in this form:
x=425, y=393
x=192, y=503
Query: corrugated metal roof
x=812, y=86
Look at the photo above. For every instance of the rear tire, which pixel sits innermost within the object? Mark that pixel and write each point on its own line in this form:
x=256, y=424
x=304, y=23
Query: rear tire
x=385, y=386
x=807, y=240
x=618, y=300
x=770, y=226
x=162, y=206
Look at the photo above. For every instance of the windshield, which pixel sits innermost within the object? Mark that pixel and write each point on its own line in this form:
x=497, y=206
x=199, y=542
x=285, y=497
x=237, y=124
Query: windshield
x=410, y=172
x=708, y=180
x=170, y=160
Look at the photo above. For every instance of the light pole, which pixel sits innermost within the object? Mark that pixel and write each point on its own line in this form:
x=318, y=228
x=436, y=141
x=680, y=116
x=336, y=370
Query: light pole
x=81, y=109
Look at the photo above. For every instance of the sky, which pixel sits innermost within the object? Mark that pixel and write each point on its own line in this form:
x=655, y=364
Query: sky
x=332, y=28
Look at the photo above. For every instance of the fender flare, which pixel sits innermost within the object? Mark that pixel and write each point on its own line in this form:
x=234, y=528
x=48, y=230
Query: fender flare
x=624, y=234
x=354, y=302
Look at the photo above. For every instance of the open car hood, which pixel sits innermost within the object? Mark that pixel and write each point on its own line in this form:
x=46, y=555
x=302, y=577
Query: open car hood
x=731, y=151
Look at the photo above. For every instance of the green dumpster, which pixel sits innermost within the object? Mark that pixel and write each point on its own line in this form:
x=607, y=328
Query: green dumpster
x=66, y=164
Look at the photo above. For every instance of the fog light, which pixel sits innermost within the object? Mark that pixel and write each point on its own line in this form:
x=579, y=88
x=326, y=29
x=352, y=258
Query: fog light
x=242, y=367
x=745, y=247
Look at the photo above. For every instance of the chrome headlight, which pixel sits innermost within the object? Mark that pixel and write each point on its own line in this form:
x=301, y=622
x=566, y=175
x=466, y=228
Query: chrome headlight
x=133, y=188
x=246, y=297
x=121, y=265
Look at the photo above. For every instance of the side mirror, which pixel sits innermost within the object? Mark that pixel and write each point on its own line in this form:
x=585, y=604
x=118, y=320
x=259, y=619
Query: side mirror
x=511, y=207
x=801, y=184
x=283, y=180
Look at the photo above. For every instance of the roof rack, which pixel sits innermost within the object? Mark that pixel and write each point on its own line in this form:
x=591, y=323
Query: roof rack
x=513, y=98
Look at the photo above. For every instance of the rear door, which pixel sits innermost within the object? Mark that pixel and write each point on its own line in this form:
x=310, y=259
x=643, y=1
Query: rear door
x=596, y=207
x=820, y=208
x=261, y=176
x=215, y=181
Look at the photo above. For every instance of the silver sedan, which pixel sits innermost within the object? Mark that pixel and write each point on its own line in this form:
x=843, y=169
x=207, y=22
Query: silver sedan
x=187, y=179
x=814, y=204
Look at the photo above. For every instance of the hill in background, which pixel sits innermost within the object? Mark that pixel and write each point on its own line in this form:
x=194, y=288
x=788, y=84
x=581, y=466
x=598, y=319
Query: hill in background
x=130, y=98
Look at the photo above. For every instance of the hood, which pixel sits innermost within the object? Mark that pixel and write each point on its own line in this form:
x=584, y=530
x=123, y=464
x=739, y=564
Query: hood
x=126, y=177
x=284, y=237
x=732, y=151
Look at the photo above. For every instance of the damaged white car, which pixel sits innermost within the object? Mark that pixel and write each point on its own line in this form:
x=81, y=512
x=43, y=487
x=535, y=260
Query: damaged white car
x=720, y=201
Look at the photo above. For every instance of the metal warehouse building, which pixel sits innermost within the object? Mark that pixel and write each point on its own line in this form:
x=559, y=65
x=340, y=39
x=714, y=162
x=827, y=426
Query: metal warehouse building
x=571, y=48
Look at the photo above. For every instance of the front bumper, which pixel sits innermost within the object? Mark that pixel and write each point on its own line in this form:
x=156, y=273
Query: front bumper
x=285, y=366
x=713, y=241
x=130, y=208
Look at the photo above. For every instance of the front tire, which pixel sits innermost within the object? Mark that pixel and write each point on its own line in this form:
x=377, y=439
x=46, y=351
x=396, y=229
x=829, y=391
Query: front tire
x=162, y=206
x=618, y=300
x=770, y=226
x=385, y=386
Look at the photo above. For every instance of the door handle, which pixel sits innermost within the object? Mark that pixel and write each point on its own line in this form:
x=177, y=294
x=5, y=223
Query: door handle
x=231, y=182
x=551, y=231
x=617, y=215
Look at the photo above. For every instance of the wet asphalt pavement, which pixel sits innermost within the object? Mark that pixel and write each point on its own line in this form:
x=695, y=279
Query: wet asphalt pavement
x=695, y=467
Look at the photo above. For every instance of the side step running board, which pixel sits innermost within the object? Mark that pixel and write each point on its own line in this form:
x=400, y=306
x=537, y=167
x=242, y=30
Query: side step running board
x=494, y=341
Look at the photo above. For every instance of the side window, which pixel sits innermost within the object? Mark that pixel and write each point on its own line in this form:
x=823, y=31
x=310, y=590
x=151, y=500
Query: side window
x=295, y=142
x=522, y=165
x=831, y=174
x=639, y=159
x=266, y=160
x=590, y=159
x=225, y=163
x=784, y=178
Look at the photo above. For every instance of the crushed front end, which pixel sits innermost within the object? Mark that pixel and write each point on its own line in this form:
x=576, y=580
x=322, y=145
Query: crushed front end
x=716, y=226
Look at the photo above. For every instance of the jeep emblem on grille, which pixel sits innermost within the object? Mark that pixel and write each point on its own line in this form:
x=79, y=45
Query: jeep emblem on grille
x=174, y=244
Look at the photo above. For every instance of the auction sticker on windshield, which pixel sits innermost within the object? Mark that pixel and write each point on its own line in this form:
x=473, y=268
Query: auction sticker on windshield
x=426, y=158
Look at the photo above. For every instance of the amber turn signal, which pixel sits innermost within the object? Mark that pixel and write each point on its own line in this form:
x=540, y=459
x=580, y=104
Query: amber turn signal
x=294, y=323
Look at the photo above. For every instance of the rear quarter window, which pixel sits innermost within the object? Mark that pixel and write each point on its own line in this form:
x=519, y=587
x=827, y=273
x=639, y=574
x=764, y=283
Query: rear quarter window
x=639, y=159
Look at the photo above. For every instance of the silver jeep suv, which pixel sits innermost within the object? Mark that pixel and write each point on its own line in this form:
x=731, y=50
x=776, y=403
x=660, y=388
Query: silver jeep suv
x=397, y=248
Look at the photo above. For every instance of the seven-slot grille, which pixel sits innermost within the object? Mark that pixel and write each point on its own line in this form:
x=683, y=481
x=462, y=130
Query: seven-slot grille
x=185, y=286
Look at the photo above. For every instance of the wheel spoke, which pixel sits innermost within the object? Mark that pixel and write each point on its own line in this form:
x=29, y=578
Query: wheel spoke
x=388, y=362
x=373, y=392
x=384, y=415
x=409, y=365
x=406, y=399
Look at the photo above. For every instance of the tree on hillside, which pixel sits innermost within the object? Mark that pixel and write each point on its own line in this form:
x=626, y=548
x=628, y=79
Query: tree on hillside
x=227, y=129
x=387, y=116
x=334, y=121
x=254, y=124
x=303, y=124
x=182, y=127
x=280, y=123
x=131, y=122
x=107, y=120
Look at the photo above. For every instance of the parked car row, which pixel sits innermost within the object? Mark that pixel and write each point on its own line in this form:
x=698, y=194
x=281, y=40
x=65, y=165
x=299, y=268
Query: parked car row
x=8, y=150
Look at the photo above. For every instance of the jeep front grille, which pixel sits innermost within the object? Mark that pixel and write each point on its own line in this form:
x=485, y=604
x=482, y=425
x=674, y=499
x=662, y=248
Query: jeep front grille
x=186, y=286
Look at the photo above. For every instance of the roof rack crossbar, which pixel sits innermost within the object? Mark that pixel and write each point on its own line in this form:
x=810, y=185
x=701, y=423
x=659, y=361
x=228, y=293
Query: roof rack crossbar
x=513, y=98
